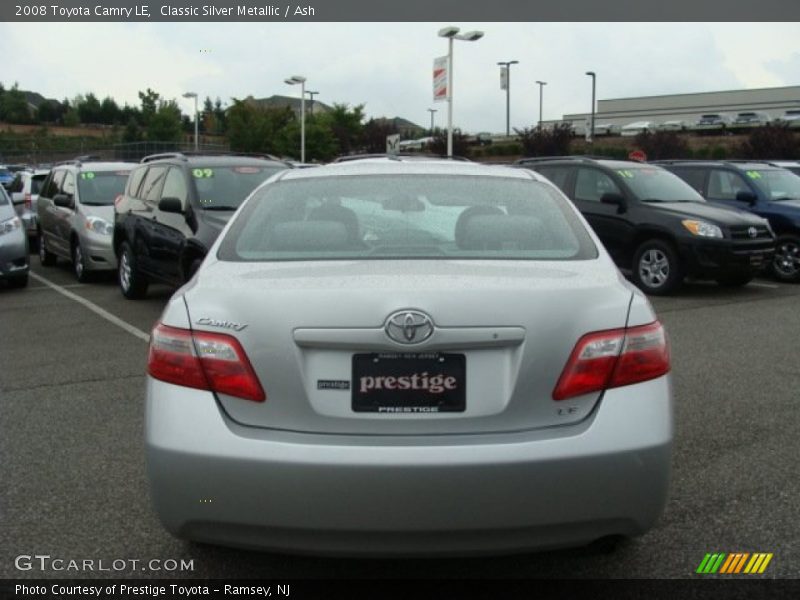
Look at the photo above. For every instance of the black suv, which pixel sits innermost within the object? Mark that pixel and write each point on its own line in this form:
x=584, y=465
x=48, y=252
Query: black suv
x=173, y=208
x=656, y=225
x=759, y=187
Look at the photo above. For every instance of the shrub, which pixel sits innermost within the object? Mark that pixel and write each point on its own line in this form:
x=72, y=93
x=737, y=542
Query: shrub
x=660, y=145
x=773, y=141
x=546, y=142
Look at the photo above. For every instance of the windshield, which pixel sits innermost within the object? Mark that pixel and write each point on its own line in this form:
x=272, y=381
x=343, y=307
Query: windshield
x=224, y=188
x=776, y=184
x=654, y=184
x=406, y=216
x=100, y=188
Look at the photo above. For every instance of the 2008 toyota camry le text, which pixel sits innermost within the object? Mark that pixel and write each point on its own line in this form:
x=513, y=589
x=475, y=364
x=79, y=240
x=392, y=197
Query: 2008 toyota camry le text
x=392, y=356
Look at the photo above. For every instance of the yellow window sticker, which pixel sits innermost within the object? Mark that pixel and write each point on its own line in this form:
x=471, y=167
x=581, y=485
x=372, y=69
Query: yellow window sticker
x=203, y=173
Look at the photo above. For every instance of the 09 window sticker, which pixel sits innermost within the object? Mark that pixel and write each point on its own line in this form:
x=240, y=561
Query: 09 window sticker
x=203, y=173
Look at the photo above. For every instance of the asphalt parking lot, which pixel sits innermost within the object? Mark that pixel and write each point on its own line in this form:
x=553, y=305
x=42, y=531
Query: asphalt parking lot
x=74, y=486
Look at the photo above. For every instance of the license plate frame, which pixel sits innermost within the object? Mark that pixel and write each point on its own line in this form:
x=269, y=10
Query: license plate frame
x=409, y=383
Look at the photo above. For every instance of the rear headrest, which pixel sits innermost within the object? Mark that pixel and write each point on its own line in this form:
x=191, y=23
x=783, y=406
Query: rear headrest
x=309, y=235
x=339, y=214
x=503, y=232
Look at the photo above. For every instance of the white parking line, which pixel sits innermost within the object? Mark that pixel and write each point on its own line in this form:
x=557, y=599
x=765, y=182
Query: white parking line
x=94, y=308
x=771, y=286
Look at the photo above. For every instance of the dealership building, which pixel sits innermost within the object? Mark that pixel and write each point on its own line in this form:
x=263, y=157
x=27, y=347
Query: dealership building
x=690, y=107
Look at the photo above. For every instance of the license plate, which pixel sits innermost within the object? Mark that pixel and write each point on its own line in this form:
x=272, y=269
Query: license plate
x=756, y=259
x=399, y=383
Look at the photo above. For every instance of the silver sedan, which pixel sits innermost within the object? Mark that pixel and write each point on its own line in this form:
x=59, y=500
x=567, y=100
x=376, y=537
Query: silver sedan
x=390, y=357
x=13, y=245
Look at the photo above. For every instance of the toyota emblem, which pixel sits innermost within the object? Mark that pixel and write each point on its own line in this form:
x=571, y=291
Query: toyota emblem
x=409, y=326
x=752, y=232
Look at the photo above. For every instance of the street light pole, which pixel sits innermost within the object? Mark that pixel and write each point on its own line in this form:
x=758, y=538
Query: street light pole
x=295, y=79
x=196, y=114
x=311, y=99
x=507, y=65
x=451, y=33
x=432, y=111
x=541, y=85
x=591, y=130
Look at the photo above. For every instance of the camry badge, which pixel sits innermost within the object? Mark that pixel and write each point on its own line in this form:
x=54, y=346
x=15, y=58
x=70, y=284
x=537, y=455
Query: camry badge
x=409, y=327
x=218, y=323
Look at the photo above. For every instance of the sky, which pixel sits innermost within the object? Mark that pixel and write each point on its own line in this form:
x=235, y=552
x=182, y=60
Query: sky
x=388, y=66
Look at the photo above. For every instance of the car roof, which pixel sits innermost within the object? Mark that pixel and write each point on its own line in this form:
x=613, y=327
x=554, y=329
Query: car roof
x=213, y=159
x=96, y=165
x=610, y=163
x=741, y=165
x=386, y=166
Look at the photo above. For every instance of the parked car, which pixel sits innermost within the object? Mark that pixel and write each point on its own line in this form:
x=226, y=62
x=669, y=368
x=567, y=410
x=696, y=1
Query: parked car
x=789, y=165
x=25, y=194
x=13, y=245
x=601, y=129
x=657, y=226
x=632, y=129
x=75, y=212
x=397, y=357
x=791, y=117
x=765, y=190
x=173, y=208
x=672, y=125
x=713, y=121
x=748, y=119
x=6, y=176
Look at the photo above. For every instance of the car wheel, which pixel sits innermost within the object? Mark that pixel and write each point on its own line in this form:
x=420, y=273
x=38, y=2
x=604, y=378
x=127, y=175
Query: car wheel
x=786, y=263
x=79, y=263
x=47, y=258
x=735, y=279
x=656, y=268
x=131, y=282
x=18, y=282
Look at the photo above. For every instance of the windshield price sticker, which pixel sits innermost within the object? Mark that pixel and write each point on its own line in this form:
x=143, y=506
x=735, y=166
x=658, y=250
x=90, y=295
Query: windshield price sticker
x=203, y=173
x=754, y=175
x=87, y=175
x=247, y=170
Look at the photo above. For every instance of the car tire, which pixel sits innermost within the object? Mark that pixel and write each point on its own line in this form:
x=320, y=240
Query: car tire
x=46, y=258
x=786, y=262
x=132, y=283
x=79, y=263
x=18, y=282
x=735, y=279
x=656, y=268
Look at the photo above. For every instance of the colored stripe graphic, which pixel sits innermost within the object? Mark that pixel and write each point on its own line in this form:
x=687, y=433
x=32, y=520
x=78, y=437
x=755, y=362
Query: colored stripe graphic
x=734, y=563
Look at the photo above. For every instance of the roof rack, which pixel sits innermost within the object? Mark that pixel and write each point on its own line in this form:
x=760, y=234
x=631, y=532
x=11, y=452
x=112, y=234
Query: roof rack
x=400, y=156
x=583, y=157
x=188, y=154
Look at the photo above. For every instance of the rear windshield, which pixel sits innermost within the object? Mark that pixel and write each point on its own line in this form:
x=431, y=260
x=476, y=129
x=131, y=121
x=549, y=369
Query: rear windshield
x=777, y=184
x=100, y=188
x=653, y=184
x=224, y=188
x=390, y=217
x=36, y=183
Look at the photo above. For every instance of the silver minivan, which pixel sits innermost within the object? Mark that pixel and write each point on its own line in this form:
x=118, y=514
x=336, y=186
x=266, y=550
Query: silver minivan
x=76, y=215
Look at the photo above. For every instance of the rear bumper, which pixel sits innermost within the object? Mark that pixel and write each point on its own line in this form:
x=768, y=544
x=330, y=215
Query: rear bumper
x=215, y=481
x=712, y=258
x=14, y=255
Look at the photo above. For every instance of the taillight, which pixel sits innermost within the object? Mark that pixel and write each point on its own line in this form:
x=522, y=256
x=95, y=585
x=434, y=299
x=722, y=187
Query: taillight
x=609, y=359
x=202, y=360
x=28, y=202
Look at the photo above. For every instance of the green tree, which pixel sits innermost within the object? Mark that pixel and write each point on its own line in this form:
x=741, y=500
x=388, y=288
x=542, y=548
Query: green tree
x=255, y=129
x=89, y=109
x=110, y=112
x=662, y=145
x=150, y=101
x=554, y=141
x=14, y=106
x=773, y=141
x=321, y=143
x=132, y=132
x=165, y=124
x=439, y=143
x=346, y=125
x=49, y=111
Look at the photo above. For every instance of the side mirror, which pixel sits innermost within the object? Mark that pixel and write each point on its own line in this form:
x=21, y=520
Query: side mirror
x=614, y=198
x=746, y=196
x=63, y=201
x=170, y=204
x=17, y=198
